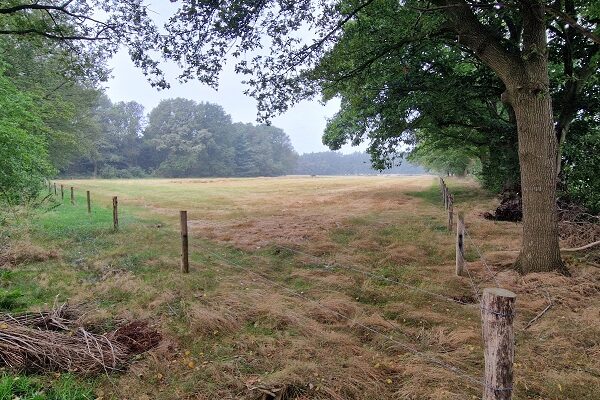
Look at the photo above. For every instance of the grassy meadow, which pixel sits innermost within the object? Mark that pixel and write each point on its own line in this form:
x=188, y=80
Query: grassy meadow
x=293, y=290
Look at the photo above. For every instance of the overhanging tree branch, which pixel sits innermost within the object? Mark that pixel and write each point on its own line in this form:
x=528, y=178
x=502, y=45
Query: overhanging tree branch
x=51, y=36
x=481, y=40
x=563, y=16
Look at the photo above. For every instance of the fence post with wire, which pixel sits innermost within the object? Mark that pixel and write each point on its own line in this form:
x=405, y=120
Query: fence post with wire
x=460, y=243
x=115, y=203
x=445, y=196
x=497, y=316
x=89, y=201
x=450, y=212
x=185, y=264
x=497, y=306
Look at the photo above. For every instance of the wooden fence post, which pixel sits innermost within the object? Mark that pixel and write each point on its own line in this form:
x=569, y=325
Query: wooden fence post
x=185, y=266
x=497, y=315
x=49, y=187
x=62, y=192
x=450, y=212
x=89, y=203
x=446, y=192
x=55, y=191
x=460, y=243
x=72, y=196
x=115, y=213
x=443, y=193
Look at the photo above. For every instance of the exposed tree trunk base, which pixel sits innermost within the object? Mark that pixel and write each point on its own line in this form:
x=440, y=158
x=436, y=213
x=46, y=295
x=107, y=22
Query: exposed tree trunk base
x=524, y=266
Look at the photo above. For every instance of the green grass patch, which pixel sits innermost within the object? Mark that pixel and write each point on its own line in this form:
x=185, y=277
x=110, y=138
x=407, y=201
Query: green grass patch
x=65, y=387
x=431, y=195
x=461, y=192
x=113, y=296
x=21, y=288
x=258, y=328
x=11, y=300
x=343, y=236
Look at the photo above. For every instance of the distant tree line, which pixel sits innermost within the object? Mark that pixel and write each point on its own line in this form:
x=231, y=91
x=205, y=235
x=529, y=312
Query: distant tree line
x=358, y=163
x=179, y=138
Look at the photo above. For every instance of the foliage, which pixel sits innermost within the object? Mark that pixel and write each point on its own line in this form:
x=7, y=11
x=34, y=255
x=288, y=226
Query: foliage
x=451, y=161
x=582, y=155
x=181, y=138
x=62, y=82
x=92, y=29
x=437, y=98
x=24, y=160
x=66, y=387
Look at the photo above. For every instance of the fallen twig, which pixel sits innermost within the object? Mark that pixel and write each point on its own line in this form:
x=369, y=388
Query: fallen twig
x=540, y=315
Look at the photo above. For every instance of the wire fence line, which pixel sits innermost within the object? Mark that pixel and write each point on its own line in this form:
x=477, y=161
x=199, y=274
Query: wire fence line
x=474, y=286
x=454, y=367
x=382, y=278
x=475, y=382
x=482, y=258
x=540, y=288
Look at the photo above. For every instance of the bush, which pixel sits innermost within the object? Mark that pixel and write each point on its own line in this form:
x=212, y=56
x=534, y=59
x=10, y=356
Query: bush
x=580, y=171
x=110, y=172
x=66, y=387
x=24, y=163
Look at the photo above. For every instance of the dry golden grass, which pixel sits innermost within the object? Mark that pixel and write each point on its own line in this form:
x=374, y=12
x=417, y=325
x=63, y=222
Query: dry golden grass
x=308, y=329
x=24, y=252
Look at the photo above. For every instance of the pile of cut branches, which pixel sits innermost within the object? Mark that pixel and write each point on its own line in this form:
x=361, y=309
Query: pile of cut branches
x=53, y=341
x=510, y=208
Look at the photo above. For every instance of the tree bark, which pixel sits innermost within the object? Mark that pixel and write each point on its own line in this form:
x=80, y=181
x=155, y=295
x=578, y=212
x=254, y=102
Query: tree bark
x=538, y=147
x=525, y=74
x=529, y=95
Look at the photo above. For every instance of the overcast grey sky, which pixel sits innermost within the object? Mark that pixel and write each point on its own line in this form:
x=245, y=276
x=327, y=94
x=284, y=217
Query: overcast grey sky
x=304, y=123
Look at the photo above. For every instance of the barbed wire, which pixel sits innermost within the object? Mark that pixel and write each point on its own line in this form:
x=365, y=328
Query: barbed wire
x=474, y=286
x=482, y=258
x=381, y=277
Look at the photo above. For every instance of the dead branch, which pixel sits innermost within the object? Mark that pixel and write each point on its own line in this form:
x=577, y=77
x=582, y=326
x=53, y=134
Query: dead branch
x=587, y=246
x=540, y=315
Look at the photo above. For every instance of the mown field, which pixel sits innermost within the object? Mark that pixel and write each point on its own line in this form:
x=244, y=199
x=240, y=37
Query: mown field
x=317, y=288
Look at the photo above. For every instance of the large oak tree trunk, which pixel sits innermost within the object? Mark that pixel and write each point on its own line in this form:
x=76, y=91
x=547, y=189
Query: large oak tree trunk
x=538, y=147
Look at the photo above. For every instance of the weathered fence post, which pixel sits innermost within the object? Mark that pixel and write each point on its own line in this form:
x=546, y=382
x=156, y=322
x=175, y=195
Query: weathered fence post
x=115, y=213
x=450, y=212
x=185, y=266
x=62, y=192
x=72, y=196
x=89, y=203
x=460, y=243
x=55, y=191
x=49, y=187
x=444, y=196
x=446, y=191
x=497, y=315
